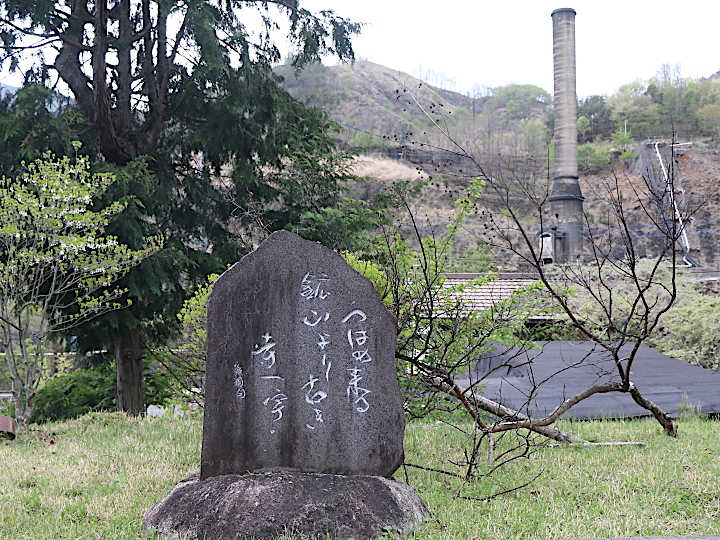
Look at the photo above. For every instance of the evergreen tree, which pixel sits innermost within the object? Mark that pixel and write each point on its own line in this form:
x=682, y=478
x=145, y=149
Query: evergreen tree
x=599, y=117
x=34, y=120
x=179, y=102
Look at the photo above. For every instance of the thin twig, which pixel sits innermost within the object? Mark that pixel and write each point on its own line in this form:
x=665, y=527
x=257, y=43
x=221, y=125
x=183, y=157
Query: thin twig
x=430, y=469
x=504, y=492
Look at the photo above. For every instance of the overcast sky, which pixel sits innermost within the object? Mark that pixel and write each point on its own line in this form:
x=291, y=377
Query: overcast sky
x=469, y=43
x=499, y=42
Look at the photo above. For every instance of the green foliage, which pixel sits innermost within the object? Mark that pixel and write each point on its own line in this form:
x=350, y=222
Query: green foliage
x=646, y=121
x=58, y=268
x=622, y=139
x=371, y=271
x=559, y=330
x=461, y=113
x=520, y=100
x=7, y=408
x=477, y=259
x=583, y=127
x=34, y=120
x=343, y=226
x=93, y=389
x=185, y=361
x=312, y=186
x=76, y=393
x=677, y=98
x=668, y=103
x=709, y=119
x=689, y=331
x=614, y=304
x=593, y=157
x=599, y=116
x=363, y=141
x=535, y=136
x=631, y=104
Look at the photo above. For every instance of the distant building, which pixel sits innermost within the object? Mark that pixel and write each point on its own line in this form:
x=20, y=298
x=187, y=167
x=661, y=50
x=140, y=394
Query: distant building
x=476, y=298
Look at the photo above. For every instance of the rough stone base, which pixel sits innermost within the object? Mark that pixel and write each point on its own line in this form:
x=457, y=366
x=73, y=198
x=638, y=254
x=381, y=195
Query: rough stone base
x=268, y=504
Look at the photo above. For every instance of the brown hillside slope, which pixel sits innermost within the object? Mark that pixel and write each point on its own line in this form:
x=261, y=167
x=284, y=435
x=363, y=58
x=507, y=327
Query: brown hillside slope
x=368, y=97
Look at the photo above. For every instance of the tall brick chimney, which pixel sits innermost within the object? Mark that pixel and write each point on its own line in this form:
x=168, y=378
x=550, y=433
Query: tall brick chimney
x=566, y=200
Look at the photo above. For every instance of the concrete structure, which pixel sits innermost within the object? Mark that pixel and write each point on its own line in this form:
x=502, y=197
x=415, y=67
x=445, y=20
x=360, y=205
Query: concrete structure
x=566, y=200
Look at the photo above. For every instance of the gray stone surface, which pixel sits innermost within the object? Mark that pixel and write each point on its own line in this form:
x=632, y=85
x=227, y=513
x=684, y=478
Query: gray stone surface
x=268, y=504
x=300, y=367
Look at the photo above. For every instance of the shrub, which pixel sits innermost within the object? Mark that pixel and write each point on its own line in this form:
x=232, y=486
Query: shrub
x=363, y=140
x=184, y=365
x=75, y=393
x=593, y=158
x=84, y=390
x=7, y=408
x=689, y=331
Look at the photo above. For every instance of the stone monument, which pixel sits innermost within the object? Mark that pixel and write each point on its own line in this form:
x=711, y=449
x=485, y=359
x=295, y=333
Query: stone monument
x=303, y=413
x=300, y=367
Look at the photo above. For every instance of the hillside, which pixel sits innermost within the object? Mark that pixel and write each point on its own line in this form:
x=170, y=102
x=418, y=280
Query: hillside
x=507, y=134
x=368, y=99
x=372, y=102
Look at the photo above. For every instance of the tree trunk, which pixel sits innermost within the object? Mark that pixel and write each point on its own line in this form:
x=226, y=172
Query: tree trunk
x=23, y=412
x=129, y=355
x=661, y=416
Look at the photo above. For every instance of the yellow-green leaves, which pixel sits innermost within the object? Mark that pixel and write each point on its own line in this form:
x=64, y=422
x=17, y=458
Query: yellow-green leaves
x=57, y=265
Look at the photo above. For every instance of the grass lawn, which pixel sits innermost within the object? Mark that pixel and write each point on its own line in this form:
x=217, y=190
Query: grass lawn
x=95, y=477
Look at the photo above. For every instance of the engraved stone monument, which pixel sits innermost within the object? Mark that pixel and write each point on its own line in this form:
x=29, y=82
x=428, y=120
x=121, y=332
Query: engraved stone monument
x=300, y=367
x=303, y=421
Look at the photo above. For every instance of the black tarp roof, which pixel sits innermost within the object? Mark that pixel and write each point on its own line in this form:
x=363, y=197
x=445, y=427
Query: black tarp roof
x=561, y=369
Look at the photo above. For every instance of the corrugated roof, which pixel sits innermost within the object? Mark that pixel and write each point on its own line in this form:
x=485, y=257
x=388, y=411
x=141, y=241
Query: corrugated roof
x=477, y=298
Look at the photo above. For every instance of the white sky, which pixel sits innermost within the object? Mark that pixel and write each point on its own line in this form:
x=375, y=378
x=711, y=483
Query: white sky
x=499, y=42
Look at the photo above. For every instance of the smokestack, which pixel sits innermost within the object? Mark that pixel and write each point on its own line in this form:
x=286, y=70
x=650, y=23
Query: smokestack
x=566, y=200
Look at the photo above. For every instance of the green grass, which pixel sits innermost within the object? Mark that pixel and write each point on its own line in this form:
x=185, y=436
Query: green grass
x=668, y=487
x=97, y=480
x=104, y=471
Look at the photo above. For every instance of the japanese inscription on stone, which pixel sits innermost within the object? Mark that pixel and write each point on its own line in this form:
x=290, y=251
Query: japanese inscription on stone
x=300, y=369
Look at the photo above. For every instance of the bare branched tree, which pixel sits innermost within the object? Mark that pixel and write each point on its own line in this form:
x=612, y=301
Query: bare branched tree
x=440, y=339
x=620, y=319
x=514, y=208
